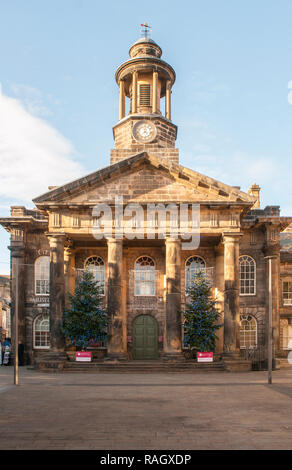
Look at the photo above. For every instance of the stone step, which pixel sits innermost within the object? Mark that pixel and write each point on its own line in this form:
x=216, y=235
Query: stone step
x=145, y=367
x=285, y=364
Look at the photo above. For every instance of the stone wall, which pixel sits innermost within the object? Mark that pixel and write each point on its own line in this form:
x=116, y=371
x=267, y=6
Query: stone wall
x=165, y=137
x=36, y=245
x=169, y=153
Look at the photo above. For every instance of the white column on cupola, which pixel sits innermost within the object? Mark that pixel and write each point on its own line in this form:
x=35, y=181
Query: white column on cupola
x=122, y=100
x=155, y=92
x=134, y=91
x=168, y=100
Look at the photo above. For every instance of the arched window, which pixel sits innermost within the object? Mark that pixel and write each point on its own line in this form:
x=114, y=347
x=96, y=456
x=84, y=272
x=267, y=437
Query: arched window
x=144, y=276
x=247, y=275
x=194, y=265
x=95, y=265
x=41, y=332
x=248, y=332
x=42, y=275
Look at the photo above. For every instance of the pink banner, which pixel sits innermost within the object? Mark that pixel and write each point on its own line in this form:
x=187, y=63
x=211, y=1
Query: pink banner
x=204, y=357
x=83, y=356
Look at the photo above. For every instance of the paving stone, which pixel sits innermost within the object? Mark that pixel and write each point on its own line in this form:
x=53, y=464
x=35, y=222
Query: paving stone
x=153, y=411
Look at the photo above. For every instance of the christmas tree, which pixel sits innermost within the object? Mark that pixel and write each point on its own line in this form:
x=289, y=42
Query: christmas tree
x=86, y=319
x=201, y=315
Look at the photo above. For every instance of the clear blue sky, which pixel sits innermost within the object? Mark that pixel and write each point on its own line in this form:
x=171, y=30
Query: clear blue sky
x=60, y=99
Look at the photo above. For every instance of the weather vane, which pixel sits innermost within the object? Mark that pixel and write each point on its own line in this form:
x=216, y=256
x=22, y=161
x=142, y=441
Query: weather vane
x=145, y=30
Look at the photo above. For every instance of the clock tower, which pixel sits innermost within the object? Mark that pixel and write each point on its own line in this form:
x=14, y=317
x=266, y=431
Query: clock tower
x=145, y=79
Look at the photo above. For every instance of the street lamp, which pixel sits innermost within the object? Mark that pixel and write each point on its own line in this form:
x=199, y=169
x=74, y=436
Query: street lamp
x=270, y=356
x=16, y=325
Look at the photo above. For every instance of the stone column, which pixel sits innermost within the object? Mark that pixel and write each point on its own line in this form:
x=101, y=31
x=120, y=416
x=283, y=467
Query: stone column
x=219, y=294
x=18, y=268
x=57, y=292
x=168, y=100
x=173, y=324
x=134, y=91
x=122, y=100
x=231, y=294
x=117, y=331
x=68, y=273
x=154, y=92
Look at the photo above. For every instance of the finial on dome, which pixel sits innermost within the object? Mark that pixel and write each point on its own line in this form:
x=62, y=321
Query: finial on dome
x=145, y=30
x=145, y=46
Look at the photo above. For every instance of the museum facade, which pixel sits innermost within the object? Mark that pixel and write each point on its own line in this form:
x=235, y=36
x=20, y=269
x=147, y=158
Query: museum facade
x=144, y=278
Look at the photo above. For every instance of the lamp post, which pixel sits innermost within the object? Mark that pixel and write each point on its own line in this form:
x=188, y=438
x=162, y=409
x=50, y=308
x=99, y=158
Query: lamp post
x=16, y=325
x=270, y=356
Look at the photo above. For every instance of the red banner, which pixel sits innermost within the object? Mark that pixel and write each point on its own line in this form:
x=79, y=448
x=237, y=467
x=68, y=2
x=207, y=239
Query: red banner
x=204, y=357
x=83, y=356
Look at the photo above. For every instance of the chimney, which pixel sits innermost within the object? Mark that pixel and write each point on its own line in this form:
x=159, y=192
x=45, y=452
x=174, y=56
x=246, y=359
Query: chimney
x=254, y=190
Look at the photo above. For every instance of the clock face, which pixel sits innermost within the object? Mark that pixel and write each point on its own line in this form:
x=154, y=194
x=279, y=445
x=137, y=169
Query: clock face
x=144, y=131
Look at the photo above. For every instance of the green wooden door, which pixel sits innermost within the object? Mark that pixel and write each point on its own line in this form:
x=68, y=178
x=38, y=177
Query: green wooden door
x=145, y=340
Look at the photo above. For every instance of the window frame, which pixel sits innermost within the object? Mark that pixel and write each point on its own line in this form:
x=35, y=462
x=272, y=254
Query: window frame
x=244, y=317
x=35, y=276
x=286, y=304
x=140, y=280
x=104, y=273
x=244, y=294
x=46, y=317
x=186, y=261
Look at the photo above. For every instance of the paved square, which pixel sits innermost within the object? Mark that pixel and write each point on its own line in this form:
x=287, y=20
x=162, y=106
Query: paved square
x=152, y=411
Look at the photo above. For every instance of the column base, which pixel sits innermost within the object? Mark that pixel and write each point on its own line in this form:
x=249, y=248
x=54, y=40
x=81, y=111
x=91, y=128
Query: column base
x=51, y=361
x=232, y=355
x=173, y=357
x=233, y=362
x=117, y=357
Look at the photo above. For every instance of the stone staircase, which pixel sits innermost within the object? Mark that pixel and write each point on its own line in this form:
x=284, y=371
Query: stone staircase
x=284, y=364
x=143, y=367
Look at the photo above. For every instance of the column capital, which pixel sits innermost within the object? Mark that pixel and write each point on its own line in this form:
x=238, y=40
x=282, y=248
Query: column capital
x=270, y=257
x=55, y=238
x=114, y=240
x=55, y=234
x=272, y=251
x=231, y=237
x=17, y=251
x=172, y=240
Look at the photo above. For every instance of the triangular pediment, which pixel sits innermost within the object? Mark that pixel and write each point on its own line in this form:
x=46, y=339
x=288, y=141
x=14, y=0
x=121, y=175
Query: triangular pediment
x=144, y=178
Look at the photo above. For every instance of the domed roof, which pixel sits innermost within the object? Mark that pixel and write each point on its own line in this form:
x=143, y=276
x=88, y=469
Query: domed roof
x=145, y=40
x=145, y=47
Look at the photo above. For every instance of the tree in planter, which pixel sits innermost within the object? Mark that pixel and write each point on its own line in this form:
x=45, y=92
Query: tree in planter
x=201, y=315
x=86, y=319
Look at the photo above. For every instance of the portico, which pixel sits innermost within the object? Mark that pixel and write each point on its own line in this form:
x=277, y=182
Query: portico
x=70, y=250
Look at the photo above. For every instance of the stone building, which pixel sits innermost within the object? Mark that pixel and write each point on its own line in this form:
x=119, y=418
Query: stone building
x=285, y=293
x=5, y=321
x=144, y=278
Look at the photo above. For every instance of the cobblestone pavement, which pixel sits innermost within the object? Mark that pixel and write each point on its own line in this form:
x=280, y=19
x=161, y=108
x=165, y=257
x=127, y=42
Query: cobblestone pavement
x=152, y=411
